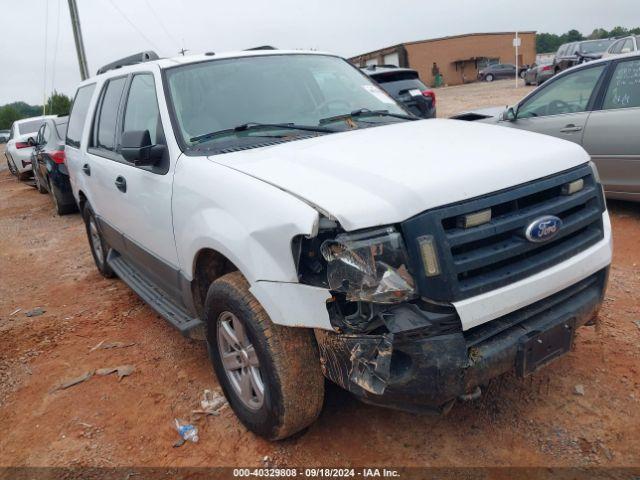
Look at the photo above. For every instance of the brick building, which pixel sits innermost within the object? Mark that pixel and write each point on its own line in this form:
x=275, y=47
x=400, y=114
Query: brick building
x=458, y=57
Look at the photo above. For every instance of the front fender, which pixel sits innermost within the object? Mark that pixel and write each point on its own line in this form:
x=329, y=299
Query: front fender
x=249, y=221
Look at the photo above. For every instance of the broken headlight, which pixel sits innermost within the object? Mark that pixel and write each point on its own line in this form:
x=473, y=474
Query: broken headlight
x=369, y=267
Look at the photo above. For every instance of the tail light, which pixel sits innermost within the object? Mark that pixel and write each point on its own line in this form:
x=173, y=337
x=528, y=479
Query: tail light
x=57, y=156
x=430, y=94
x=546, y=68
x=22, y=145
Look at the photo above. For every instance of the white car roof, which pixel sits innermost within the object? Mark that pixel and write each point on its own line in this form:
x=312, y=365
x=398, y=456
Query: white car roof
x=187, y=59
x=30, y=119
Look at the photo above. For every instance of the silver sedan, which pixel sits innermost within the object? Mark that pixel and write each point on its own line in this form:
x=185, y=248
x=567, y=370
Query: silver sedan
x=596, y=105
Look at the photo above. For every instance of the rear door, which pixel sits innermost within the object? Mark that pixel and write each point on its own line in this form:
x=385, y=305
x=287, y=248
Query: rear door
x=612, y=133
x=561, y=106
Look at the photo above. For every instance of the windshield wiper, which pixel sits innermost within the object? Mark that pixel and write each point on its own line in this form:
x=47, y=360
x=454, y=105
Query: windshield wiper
x=254, y=125
x=365, y=112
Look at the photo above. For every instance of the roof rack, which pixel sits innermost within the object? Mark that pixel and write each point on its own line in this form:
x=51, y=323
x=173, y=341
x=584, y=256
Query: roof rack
x=263, y=47
x=130, y=60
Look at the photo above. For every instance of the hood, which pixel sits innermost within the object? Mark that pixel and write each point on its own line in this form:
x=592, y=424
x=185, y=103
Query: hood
x=383, y=175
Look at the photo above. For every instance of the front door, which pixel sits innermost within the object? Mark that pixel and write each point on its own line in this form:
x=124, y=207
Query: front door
x=611, y=134
x=561, y=107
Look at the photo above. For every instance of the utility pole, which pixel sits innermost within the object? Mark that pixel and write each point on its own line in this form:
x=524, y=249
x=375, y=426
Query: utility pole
x=77, y=35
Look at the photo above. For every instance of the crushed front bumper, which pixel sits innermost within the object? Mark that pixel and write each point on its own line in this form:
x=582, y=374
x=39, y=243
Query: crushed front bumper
x=416, y=371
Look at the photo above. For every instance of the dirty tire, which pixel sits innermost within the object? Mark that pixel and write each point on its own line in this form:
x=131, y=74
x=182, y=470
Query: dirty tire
x=38, y=182
x=100, y=261
x=61, y=209
x=289, y=362
x=12, y=167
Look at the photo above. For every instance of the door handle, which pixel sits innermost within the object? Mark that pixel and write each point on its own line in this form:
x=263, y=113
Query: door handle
x=86, y=169
x=121, y=183
x=570, y=128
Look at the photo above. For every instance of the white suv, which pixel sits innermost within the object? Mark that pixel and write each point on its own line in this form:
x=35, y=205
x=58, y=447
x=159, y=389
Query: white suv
x=284, y=207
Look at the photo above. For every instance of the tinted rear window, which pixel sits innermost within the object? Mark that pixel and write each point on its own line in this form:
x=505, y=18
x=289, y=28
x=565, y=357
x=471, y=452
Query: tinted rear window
x=105, y=125
x=400, y=82
x=79, y=112
x=29, y=127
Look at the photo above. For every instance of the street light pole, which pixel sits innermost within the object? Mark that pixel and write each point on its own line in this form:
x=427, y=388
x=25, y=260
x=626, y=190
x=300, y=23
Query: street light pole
x=516, y=43
x=77, y=35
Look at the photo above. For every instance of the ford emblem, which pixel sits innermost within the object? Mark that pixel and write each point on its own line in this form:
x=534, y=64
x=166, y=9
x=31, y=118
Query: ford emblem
x=543, y=229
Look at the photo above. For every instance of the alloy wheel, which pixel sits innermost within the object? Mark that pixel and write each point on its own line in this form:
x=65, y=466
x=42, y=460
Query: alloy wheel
x=240, y=361
x=96, y=243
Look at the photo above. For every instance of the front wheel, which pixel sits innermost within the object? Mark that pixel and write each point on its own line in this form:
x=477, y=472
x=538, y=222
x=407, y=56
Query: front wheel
x=488, y=78
x=39, y=186
x=270, y=374
x=522, y=74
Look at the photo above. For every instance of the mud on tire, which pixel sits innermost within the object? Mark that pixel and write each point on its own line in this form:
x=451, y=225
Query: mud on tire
x=288, y=362
x=95, y=239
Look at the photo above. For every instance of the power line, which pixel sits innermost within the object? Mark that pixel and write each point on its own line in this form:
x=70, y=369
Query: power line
x=133, y=25
x=166, y=30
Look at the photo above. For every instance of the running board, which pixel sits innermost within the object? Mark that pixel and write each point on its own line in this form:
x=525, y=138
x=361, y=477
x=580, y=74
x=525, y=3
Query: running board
x=155, y=297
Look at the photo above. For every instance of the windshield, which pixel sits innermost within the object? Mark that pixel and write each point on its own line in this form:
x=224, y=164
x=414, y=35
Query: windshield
x=597, y=46
x=275, y=89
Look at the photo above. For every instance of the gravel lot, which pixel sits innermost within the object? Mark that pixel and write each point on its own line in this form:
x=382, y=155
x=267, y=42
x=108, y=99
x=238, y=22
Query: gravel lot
x=583, y=410
x=452, y=100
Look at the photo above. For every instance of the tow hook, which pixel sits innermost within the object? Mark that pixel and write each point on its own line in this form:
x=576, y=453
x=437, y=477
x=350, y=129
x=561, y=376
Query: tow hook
x=473, y=395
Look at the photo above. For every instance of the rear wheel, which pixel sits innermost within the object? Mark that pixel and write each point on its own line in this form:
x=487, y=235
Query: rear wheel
x=270, y=374
x=12, y=167
x=99, y=248
x=61, y=209
x=489, y=78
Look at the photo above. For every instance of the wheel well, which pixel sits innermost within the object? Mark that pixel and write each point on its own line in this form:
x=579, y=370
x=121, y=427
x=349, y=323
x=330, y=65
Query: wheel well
x=209, y=266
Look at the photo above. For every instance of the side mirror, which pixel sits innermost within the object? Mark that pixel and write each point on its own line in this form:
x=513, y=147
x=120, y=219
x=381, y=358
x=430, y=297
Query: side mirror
x=509, y=115
x=31, y=142
x=136, y=147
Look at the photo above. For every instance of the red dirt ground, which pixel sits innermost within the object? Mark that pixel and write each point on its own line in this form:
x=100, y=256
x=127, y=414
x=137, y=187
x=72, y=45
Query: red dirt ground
x=45, y=262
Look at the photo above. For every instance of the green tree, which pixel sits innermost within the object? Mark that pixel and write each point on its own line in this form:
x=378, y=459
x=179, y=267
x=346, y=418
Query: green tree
x=619, y=32
x=572, y=36
x=58, y=104
x=8, y=115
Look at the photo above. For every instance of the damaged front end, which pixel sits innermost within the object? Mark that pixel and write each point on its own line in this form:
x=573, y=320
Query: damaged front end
x=375, y=310
x=394, y=347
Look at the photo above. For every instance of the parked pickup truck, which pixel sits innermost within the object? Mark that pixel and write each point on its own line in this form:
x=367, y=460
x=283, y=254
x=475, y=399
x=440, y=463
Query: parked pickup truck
x=284, y=208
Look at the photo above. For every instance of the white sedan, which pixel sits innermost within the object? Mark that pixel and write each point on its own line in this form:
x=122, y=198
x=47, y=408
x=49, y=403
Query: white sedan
x=19, y=147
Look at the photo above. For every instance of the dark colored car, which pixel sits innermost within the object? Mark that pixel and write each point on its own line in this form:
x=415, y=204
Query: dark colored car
x=405, y=86
x=4, y=135
x=538, y=74
x=575, y=53
x=49, y=169
x=497, y=71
